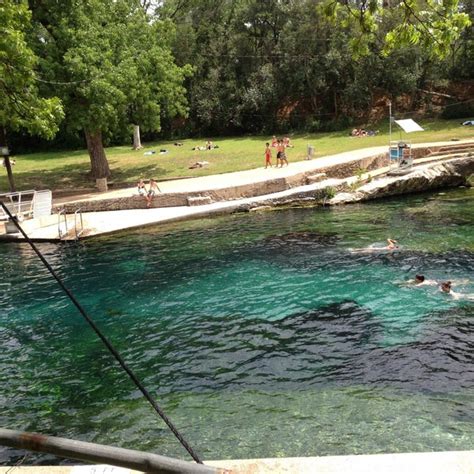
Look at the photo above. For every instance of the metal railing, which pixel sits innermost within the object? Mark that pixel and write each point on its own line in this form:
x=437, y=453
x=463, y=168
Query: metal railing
x=18, y=203
x=63, y=229
x=62, y=213
x=78, y=232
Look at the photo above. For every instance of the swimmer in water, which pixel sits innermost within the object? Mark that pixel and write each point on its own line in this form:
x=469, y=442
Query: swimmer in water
x=392, y=244
x=446, y=287
x=420, y=280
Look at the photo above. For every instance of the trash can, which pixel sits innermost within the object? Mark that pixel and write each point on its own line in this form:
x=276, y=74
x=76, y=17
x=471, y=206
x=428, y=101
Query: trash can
x=401, y=147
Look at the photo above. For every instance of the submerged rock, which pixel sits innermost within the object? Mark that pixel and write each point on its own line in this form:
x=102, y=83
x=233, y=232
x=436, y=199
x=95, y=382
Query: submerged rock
x=304, y=237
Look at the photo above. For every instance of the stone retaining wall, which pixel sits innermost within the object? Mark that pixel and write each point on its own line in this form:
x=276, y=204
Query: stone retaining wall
x=455, y=172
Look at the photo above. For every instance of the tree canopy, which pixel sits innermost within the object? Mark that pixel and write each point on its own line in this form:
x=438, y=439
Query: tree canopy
x=114, y=64
x=227, y=66
x=432, y=24
x=21, y=106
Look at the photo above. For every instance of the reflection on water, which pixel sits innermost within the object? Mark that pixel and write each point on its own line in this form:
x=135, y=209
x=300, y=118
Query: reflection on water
x=261, y=335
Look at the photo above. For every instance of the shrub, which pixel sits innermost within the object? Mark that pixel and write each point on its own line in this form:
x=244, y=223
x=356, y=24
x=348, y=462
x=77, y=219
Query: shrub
x=329, y=192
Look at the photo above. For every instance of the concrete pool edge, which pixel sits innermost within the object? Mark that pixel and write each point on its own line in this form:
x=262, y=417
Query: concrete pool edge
x=442, y=462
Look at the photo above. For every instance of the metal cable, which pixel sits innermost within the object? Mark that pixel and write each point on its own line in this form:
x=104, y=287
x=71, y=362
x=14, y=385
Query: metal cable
x=107, y=343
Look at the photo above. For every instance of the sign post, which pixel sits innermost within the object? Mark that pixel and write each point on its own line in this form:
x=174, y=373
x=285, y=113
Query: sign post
x=5, y=152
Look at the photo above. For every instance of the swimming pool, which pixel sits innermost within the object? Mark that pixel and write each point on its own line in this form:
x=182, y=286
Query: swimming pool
x=261, y=334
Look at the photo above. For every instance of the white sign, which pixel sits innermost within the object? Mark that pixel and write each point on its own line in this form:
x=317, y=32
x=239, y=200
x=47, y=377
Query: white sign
x=409, y=125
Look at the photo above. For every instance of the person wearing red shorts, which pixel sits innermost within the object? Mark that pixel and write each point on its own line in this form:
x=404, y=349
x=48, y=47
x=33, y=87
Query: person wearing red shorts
x=268, y=156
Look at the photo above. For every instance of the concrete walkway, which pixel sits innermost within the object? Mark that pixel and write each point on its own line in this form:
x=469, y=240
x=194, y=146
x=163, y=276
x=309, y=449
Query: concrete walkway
x=98, y=223
x=451, y=462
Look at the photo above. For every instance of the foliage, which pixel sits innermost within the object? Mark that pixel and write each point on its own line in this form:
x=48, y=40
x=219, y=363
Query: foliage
x=239, y=66
x=360, y=172
x=280, y=66
x=432, y=24
x=21, y=107
x=110, y=80
x=329, y=192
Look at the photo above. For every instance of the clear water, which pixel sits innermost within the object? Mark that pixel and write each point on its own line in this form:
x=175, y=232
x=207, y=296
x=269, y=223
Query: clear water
x=260, y=334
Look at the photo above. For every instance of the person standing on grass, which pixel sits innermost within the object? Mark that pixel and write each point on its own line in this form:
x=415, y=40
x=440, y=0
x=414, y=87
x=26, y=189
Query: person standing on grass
x=280, y=151
x=268, y=156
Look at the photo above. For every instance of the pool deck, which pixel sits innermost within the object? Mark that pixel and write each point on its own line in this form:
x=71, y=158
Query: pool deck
x=448, y=462
x=98, y=223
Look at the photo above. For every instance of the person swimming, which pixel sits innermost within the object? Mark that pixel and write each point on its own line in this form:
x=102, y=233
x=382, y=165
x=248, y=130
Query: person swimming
x=420, y=280
x=392, y=244
x=447, y=287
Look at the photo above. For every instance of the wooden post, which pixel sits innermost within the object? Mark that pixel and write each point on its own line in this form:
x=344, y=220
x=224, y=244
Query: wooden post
x=8, y=166
x=5, y=152
x=99, y=453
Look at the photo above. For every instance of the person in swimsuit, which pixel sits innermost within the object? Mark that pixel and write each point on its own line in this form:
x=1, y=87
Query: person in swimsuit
x=268, y=156
x=446, y=287
x=281, y=153
x=141, y=188
x=152, y=192
x=420, y=280
x=392, y=244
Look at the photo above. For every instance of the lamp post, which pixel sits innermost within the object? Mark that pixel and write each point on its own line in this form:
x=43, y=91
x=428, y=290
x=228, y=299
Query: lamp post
x=5, y=152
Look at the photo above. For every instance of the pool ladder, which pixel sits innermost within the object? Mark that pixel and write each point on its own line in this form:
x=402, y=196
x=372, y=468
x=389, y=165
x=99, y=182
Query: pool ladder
x=63, y=230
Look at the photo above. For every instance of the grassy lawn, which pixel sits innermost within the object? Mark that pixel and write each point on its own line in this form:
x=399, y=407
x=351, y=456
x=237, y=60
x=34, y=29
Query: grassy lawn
x=68, y=169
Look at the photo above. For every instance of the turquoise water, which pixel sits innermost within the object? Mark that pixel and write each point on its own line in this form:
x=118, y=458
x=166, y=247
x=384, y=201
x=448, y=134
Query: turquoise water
x=260, y=334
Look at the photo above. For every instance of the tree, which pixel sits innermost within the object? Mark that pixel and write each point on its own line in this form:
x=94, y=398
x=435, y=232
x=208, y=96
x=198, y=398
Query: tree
x=117, y=70
x=20, y=105
x=432, y=24
x=158, y=89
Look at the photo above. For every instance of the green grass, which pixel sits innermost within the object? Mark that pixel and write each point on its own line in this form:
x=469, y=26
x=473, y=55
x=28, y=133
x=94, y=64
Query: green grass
x=69, y=169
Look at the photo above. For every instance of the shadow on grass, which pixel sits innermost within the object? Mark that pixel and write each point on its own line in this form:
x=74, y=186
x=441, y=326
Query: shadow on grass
x=70, y=176
x=55, y=155
x=133, y=173
x=77, y=177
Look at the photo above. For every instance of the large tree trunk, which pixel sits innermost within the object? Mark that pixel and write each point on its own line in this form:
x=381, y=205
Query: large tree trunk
x=6, y=159
x=99, y=164
x=137, y=144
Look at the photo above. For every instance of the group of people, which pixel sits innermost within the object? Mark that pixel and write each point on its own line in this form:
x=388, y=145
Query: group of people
x=361, y=132
x=149, y=193
x=285, y=141
x=281, y=144
x=208, y=146
x=420, y=280
x=444, y=286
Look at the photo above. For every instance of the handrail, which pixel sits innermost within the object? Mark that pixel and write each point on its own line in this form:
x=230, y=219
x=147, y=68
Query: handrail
x=60, y=233
x=99, y=453
x=15, y=201
x=78, y=234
